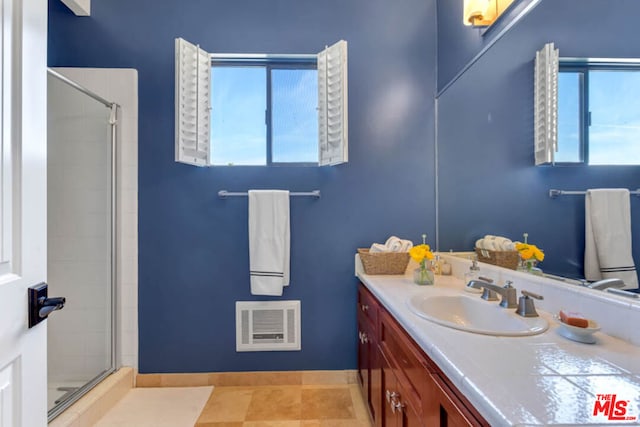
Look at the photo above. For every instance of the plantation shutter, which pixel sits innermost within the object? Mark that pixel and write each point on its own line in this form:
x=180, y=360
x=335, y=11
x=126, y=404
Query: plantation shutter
x=546, y=104
x=193, y=88
x=332, y=105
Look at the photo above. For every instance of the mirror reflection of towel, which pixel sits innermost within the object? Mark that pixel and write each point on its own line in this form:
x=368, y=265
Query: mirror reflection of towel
x=269, y=241
x=607, y=252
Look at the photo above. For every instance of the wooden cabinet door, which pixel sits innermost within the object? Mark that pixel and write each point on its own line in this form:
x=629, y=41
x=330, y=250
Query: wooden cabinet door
x=368, y=364
x=448, y=412
x=396, y=410
x=407, y=414
x=389, y=388
x=364, y=365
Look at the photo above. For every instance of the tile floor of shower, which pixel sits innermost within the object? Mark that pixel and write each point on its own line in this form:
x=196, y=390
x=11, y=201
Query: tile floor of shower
x=56, y=390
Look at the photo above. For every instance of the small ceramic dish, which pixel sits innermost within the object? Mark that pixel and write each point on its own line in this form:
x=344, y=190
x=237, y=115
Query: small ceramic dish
x=574, y=333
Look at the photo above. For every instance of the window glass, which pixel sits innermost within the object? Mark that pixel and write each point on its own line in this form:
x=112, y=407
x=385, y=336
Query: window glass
x=569, y=126
x=614, y=102
x=238, y=104
x=294, y=115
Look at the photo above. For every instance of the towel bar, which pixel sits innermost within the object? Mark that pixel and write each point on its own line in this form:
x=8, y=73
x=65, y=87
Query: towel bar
x=555, y=193
x=223, y=194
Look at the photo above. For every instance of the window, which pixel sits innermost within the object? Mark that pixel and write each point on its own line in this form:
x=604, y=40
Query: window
x=261, y=109
x=598, y=114
x=265, y=113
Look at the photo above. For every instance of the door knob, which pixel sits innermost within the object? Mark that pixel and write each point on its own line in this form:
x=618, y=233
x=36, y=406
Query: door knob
x=40, y=305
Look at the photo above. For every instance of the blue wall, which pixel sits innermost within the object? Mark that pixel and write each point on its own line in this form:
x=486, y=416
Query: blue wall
x=488, y=184
x=193, y=250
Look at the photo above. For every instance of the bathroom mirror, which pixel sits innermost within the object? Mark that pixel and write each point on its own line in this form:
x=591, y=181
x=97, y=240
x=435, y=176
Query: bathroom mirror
x=487, y=181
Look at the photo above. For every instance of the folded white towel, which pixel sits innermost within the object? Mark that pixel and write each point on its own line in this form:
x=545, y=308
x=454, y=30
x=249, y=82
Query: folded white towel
x=378, y=248
x=510, y=246
x=495, y=243
x=607, y=252
x=502, y=243
x=406, y=245
x=393, y=244
x=490, y=245
x=269, y=241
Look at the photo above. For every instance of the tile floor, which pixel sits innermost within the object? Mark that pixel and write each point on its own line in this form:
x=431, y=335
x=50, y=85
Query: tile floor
x=336, y=405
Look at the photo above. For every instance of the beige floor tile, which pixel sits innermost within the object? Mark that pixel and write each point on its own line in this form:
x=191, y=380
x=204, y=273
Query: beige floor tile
x=221, y=424
x=157, y=407
x=327, y=403
x=271, y=424
x=359, y=405
x=226, y=404
x=269, y=404
x=335, y=423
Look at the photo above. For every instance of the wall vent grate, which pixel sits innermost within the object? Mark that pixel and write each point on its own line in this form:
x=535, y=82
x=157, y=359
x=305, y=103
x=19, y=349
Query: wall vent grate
x=268, y=326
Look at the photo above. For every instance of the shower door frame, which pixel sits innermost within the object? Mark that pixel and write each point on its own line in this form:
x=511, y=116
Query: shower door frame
x=113, y=123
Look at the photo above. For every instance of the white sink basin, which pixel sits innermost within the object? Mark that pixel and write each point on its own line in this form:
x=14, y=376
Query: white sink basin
x=476, y=315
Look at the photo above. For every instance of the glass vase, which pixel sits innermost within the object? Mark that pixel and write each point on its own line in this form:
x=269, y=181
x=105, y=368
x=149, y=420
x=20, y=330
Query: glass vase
x=423, y=276
x=529, y=266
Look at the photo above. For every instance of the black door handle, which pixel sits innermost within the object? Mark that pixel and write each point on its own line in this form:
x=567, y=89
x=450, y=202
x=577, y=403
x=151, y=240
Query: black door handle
x=49, y=305
x=40, y=305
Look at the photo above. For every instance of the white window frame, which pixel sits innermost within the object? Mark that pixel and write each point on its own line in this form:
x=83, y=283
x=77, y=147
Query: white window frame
x=192, y=103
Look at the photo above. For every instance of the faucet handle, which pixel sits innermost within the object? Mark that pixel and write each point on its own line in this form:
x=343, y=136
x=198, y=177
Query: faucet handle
x=526, y=308
x=531, y=294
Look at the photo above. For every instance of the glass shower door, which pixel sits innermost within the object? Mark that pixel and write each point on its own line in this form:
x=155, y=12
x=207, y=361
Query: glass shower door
x=80, y=242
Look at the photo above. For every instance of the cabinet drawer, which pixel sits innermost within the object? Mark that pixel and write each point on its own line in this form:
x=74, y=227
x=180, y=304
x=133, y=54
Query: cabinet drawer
x=367, y=305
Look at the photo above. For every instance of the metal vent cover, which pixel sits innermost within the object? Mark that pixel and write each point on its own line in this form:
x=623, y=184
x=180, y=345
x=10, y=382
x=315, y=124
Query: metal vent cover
x=268, y=326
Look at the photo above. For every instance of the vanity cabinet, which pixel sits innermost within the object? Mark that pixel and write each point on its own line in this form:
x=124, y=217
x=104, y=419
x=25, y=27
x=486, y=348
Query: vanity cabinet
x=403, y=387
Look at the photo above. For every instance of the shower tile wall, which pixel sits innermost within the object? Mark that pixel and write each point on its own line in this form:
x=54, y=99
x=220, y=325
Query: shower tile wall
x=79, y=239
x=121, y=86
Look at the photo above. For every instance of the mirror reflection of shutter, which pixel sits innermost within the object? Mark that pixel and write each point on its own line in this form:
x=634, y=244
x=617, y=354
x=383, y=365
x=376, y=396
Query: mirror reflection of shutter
x=546, y=104
x=333, y=132
x=193, y=90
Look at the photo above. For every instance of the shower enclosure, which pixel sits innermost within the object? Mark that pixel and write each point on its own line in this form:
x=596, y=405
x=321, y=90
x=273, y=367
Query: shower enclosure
x=81, y=240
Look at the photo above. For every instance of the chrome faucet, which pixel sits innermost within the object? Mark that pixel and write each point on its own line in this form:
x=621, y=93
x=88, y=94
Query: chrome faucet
x=508, y=292
x=606, y=283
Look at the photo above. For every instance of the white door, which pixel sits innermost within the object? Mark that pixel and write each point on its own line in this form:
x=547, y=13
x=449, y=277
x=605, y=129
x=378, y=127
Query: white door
x=23, y=203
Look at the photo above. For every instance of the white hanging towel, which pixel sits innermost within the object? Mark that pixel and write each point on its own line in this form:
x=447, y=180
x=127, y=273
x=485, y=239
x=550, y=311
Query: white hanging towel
x=607, y=252
x=269, y=241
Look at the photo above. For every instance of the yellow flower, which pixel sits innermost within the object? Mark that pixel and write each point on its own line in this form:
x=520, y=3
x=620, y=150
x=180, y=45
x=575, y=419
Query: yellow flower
x=526, y=253
x=417, y=253
x=538, y=254
x=529, y=251
x=421, y=252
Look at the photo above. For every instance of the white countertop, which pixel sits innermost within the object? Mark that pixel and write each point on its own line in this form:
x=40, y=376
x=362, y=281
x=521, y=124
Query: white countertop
x=544, y=379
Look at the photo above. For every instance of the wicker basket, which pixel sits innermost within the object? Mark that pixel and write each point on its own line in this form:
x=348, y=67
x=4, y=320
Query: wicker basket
x=506, y=259
x=384, y=262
